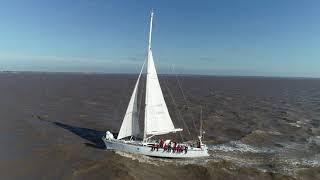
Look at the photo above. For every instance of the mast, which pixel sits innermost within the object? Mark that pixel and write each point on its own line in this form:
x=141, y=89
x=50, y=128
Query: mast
x=150, y=31
x=146, y=97
x=201, y=131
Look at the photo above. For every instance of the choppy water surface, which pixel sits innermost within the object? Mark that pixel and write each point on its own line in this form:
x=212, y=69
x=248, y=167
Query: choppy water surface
x=256, y=128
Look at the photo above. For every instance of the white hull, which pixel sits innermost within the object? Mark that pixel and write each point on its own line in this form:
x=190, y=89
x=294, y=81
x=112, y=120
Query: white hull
x=139, y=148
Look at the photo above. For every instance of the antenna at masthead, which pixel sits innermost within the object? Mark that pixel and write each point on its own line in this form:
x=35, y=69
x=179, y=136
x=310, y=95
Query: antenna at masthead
x=150, y=30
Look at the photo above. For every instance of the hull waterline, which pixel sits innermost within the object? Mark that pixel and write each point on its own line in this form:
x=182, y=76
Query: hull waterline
x=139, y=148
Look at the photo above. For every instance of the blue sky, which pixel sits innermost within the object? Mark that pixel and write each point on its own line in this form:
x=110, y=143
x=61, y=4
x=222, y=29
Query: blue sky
x=239, y=37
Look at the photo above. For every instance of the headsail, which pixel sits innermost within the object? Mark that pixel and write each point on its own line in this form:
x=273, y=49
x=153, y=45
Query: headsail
x=130, y=123
x=157, y=118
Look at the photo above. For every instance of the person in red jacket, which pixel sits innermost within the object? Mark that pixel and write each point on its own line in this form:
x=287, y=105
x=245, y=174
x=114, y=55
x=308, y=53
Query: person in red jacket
x=161, y=143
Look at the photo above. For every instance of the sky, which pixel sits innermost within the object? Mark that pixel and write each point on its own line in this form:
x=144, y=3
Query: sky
x=216, y=37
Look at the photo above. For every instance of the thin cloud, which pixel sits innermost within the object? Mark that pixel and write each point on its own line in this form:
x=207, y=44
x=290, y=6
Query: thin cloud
x=135, y=59
x=208, y=59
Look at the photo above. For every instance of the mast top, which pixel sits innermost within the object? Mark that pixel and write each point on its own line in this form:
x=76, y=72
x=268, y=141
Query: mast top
x=150, y=30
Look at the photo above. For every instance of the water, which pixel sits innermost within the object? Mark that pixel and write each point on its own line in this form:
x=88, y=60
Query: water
x=256, y=128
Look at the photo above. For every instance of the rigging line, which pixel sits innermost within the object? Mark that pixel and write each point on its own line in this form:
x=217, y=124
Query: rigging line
x=176, y=106
x=183, y=95
x=180, y=87
x=174, y=111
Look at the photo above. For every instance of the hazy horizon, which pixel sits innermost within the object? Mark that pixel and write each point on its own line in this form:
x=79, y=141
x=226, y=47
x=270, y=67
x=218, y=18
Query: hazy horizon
x=159, y=74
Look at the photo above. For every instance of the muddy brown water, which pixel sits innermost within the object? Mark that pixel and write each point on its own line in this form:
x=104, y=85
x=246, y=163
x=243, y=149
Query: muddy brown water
x=256, y=128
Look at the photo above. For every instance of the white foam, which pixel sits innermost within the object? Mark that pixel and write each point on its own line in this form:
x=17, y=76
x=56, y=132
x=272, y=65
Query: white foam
x=140, y=158
x=313, y=161
x=238, y=146
x=314, y=139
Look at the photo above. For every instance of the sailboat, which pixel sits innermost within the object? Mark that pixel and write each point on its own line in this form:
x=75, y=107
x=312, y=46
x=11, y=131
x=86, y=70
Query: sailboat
x=157, y=121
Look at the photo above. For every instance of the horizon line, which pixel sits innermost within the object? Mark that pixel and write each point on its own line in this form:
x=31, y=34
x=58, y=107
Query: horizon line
x=160, y=74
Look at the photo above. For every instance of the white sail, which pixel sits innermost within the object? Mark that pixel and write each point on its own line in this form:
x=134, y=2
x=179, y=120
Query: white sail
x=130, y=123
x=157, y=118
